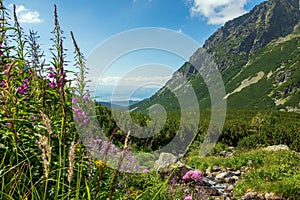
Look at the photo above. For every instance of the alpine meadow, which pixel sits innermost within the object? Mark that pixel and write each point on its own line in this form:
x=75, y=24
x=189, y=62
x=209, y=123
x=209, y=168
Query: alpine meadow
x=57, y=141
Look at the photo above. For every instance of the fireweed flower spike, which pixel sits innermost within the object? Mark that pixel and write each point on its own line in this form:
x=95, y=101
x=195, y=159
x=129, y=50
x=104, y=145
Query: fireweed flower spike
x=24, y=87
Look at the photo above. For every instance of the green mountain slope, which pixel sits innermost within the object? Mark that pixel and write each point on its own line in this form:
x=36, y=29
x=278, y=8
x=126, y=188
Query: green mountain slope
x=258, y=56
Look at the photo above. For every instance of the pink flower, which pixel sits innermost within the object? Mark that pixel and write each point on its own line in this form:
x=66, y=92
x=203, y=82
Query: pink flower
x=51, y=75
x=194, y=175
x=74, y=100
x=188, y=198
x=22, y=89
x=86, y=97
x=3, y=83
x=85, y=122
x=52, y=84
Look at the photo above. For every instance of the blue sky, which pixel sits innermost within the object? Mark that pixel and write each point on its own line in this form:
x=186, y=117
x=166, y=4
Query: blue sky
x=94, y=21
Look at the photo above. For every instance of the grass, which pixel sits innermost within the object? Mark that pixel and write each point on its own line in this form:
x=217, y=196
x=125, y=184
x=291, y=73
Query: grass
x=270, y=171
x=43, y=157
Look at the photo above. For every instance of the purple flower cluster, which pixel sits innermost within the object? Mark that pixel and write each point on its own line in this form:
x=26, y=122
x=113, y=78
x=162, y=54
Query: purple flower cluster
x=80, y=115
x=56, y=80
x=195, y=175
x=189, y=197
x=23, y=88
x=3, y=84
x=111, y=155
x=86, y=97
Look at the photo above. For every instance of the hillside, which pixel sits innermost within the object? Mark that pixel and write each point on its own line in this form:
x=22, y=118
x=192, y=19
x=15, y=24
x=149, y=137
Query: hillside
x=258, y=56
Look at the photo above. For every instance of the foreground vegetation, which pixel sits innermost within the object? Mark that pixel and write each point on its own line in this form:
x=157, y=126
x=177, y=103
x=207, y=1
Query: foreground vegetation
x=270, y=171
x=42, y=156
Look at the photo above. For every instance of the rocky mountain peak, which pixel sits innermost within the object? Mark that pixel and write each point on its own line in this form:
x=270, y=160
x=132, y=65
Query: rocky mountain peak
x=246, y=34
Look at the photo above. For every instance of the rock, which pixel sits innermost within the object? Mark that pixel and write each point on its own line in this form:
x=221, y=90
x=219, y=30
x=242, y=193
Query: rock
x=221, y=176
x=208, y=171
x=244, y=169
x=226, y=154
x=211, y=191
x=229, y=180
x=229, y=188
x=272, y=196
x=218, y=197
x=260, y=196
x=165, y=160
x=236, y=178
x=277, y=147
x=237, y=173
x=250, y=162
x=216, y=168
x=250, y=195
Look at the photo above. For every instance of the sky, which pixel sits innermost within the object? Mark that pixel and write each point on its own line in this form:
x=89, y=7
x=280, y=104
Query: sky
x=96, y=21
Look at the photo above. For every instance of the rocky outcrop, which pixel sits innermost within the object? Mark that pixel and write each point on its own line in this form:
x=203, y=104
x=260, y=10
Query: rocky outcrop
x=254, y=30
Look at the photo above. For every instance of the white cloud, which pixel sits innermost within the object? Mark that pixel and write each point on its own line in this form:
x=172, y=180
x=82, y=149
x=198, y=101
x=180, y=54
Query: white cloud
x=179, y=30
x=132, y=80
x=217, y=11
x=27, y=16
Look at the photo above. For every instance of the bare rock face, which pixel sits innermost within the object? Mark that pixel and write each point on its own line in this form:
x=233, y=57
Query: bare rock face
x=277, y=147
x=165, y=160
x=266, y=22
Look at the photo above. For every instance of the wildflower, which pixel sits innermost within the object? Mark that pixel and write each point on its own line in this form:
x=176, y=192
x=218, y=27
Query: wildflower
x=99, y=163
x=22, y=89
x=52, y=84
x=85, y=122
x=51, y=75
x=121, y=184
x=194, y=175
x=74, y=100
x=3, y=83
x=188, y=198
x=86, y=97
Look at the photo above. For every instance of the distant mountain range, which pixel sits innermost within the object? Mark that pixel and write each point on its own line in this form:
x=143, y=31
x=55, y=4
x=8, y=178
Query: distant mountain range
x=258, y=56
x=118, y=105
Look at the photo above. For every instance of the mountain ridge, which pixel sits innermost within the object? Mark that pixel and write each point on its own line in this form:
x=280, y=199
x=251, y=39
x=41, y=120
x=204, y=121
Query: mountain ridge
x=263, y=41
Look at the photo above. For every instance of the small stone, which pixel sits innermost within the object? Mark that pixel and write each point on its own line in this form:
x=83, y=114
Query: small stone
x=216, y=168
x=229, y=180
x=221, y=176
x=250, y=162
x=260, y=196
x=229, y=188
x=229, y=169
x=237, y=173
x=211, y=191
x=277, y=147
x=215, y=173
x=229, y=154
x=236, y=178
x=231, y=148
x=250, y=195
x=244, y=169
x=272, y=196
x=208, y=170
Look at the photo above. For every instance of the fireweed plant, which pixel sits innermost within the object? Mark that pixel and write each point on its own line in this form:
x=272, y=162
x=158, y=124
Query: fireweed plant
x=41, y=113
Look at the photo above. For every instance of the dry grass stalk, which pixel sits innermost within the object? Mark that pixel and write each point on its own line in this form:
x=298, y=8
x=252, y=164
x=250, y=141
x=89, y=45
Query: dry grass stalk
x=44, y=145
x=47, y=122
x=71, y=161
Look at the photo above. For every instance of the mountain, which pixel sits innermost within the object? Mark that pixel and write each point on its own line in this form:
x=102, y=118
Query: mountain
x=258, y=56
x=118, y=105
